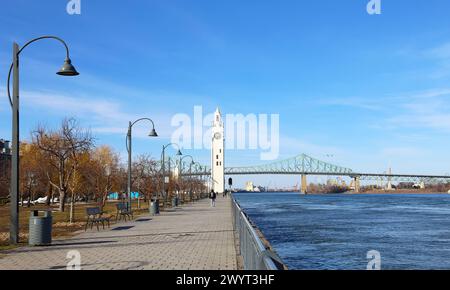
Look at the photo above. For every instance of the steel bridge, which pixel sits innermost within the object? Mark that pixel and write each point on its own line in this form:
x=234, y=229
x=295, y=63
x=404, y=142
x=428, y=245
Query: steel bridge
x=304, y=165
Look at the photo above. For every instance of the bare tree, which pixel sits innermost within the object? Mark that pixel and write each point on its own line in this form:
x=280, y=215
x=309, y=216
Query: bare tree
x=63, y=147
x=32, y=165
x=4, y=185
x=105, y=172
x=143, y=176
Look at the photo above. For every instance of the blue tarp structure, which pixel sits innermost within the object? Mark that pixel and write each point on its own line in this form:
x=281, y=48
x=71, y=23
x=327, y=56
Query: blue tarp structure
x=115, y=195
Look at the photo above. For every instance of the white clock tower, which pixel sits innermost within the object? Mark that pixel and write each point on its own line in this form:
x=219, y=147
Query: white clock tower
x=217, y=154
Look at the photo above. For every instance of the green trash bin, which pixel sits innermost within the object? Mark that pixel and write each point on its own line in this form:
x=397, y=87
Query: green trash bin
x=154, y=207
x=40, y=230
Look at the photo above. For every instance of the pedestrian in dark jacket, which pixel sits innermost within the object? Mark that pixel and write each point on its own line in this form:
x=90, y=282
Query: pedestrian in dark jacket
x=213, y=197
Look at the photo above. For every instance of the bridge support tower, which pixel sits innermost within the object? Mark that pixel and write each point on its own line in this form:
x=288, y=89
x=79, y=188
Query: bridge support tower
x=357, y=182
x=304, y=186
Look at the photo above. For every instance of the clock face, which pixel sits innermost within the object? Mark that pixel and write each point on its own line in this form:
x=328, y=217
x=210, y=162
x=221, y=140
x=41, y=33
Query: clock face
x=217, y=136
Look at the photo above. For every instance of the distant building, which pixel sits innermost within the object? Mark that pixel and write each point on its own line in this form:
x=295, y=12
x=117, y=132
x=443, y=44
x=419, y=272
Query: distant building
x=5, y=165
x=249, y=186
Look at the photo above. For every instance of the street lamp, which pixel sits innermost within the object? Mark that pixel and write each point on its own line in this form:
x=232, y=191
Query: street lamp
x=163, y=167
x=108, y=182
x=66, y=70
x=203, y=179
x=190, y=173
x=151, y=134
x=190, y=165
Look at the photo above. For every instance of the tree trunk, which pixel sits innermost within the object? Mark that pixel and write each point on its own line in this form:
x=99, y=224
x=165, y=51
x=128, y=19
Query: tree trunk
x=72, y=210
x=49, y=195
x=103, y=203
x=62, y=200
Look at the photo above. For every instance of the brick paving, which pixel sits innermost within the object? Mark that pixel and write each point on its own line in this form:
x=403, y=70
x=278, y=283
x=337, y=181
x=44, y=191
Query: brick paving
x=192, y=237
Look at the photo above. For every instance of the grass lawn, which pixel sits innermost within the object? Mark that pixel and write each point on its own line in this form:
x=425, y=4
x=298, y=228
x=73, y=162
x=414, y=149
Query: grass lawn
x=61, y=227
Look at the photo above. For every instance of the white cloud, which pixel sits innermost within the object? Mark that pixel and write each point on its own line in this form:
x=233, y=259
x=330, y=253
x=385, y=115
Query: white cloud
x=441, y=52
x=292, y=146
x=104, y=116
x=357, y=102
x=408, y=152
x=420, y=109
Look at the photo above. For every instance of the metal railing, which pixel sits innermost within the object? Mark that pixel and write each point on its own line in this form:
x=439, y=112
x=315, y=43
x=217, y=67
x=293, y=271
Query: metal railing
x=256, y=256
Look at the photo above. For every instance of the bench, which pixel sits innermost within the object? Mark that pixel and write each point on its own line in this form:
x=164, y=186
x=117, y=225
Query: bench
x=123, y=212
x=95, y=216
x=4, y=200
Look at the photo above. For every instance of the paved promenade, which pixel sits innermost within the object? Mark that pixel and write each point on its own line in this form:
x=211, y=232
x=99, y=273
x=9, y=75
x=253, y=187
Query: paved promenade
x=194, y=236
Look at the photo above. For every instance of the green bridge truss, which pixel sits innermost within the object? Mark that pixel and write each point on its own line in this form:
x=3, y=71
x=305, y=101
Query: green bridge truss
x=301, y=164
x=307, y=165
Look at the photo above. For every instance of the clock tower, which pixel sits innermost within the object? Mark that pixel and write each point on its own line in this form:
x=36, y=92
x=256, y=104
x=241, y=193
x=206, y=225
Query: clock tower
x=217, y=154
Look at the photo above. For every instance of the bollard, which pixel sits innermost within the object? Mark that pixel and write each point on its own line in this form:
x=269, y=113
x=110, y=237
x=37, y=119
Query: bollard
x=40, y=231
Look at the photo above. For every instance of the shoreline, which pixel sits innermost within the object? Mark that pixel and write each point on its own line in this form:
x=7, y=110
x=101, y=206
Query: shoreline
x=354, y=193
x=399, y=192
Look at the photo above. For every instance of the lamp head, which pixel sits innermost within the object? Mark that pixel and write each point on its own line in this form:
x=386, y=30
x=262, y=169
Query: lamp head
x=67, y=69
x=179, y=153
x=153, y=133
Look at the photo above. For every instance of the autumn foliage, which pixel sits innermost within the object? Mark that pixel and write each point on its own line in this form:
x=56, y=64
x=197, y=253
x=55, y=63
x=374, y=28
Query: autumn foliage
x=67, y=167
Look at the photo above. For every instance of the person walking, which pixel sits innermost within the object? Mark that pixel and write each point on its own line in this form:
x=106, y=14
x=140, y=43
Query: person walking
x=213, y=197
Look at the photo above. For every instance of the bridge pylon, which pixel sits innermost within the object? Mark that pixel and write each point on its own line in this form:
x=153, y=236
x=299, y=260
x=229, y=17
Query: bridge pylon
x=304, y=185
x=357, y=181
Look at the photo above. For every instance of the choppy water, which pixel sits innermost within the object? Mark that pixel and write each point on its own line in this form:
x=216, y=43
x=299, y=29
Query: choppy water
x=337, y=231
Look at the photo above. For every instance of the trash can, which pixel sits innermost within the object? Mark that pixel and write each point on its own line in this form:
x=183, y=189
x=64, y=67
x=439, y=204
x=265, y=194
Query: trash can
x=40, y=232
x=174, y=202
x=154, y=207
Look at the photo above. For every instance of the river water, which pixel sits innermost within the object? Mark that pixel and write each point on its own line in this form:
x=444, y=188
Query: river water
x=337, y=231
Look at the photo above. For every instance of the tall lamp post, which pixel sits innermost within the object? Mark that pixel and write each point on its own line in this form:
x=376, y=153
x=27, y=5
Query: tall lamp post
x=190, y=173
x=199, y=169
x=152, y=134
x=66, y=70
x=163, y=166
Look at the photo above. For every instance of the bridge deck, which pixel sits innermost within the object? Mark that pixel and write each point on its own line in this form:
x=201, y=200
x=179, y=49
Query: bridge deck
x=195, y=236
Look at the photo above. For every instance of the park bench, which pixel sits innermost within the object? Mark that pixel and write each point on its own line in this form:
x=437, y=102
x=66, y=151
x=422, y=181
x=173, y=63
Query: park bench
x=4, y=200
x=95, y=216
x=123, y=212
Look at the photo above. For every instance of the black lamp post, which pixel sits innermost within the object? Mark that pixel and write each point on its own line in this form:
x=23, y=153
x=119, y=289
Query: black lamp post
x=190, y=173
x=202, y=171
x=67, y=70
x=163, y=167
x=152, y=134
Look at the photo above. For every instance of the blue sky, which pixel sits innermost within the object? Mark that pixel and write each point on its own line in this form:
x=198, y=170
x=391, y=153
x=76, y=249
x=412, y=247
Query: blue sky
x=372, y=91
